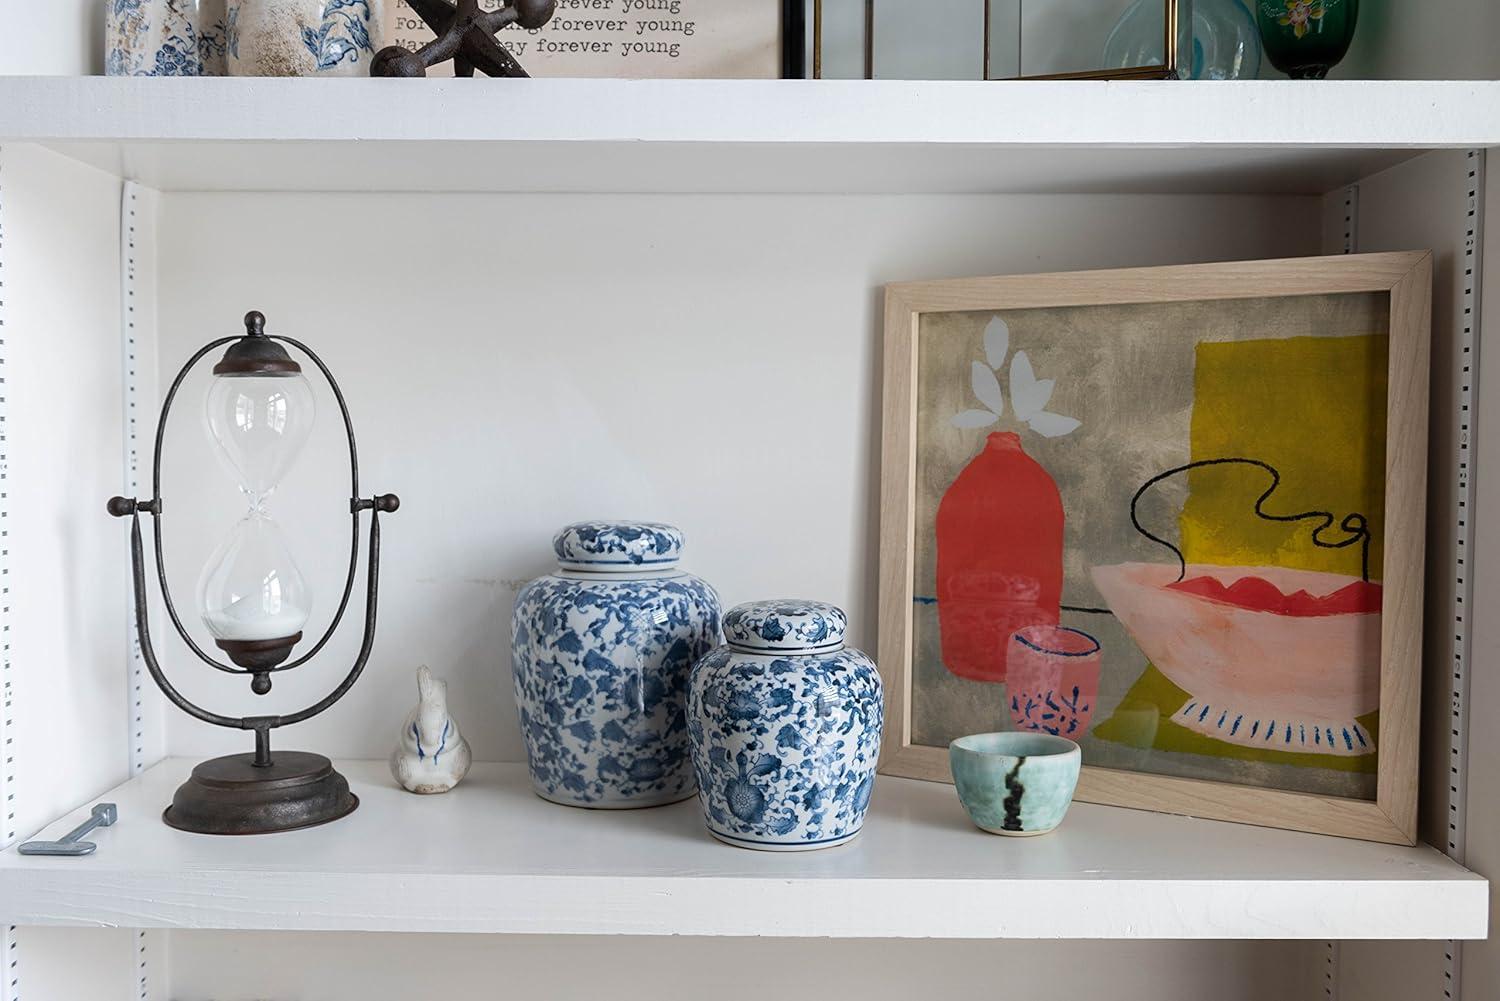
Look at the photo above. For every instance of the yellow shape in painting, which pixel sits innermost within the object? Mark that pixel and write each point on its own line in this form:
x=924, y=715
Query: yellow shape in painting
x=1313, y=408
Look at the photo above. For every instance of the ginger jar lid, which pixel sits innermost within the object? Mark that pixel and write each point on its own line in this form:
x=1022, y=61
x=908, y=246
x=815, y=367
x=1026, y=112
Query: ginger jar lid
x=612, y=546
x=786, y=625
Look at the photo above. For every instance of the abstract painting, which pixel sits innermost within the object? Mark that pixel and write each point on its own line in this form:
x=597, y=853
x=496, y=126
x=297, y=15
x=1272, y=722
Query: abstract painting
x=1161, y=513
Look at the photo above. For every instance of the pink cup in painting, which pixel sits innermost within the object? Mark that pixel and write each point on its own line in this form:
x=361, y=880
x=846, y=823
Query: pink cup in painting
x=1053, y=680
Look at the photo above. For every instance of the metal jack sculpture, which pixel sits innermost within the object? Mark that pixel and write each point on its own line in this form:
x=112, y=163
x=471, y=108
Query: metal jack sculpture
x=465, y=34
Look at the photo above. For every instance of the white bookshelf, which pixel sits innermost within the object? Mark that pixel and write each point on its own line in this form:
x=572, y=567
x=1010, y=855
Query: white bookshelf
x=692, y=219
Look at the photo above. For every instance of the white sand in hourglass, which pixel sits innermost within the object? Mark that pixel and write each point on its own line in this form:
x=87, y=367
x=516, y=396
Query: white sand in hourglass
x=249, y=618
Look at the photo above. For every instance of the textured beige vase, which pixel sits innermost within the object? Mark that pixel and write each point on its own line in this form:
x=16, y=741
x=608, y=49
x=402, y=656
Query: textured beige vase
x=304, y=37
x=165, y=38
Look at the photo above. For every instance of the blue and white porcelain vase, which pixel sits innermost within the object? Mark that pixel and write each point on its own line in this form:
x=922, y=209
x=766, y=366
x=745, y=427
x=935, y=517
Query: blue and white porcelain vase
x=785, y=722
x=601, y=652
x=165, y=37
x=305, y=37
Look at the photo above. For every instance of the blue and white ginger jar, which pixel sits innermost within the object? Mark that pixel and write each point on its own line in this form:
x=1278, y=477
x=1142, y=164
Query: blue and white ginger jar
x=785, y=722
x=601, y=652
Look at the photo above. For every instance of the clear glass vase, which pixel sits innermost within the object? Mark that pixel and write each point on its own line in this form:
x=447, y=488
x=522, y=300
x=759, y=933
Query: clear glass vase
x=1225, y=44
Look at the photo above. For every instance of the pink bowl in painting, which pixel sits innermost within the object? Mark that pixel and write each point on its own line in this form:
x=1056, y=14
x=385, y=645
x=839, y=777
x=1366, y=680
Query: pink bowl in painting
x=1294, y=653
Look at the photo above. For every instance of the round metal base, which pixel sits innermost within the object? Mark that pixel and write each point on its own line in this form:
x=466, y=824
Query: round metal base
x=230, y=795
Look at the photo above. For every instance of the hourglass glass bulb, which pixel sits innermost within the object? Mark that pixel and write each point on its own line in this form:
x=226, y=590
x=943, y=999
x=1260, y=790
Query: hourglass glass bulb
x=260, y=423
x=251, y=589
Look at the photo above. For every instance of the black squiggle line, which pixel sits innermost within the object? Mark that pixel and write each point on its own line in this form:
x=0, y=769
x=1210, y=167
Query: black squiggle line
x=1356, y=525
x=1015, y=790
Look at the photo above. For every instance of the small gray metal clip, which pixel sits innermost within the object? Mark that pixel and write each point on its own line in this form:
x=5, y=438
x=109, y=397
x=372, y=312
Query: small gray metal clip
x=104, y=815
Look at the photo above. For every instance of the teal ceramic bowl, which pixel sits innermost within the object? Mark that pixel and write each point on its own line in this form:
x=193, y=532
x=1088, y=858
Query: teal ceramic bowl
x=1017, y=783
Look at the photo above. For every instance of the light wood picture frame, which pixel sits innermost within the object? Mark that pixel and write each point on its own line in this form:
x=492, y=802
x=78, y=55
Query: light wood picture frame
x=1393, y=290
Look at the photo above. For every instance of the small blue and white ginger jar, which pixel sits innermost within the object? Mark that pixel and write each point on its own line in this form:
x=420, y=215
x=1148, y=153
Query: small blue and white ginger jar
x=601, y=652
x=785, y=722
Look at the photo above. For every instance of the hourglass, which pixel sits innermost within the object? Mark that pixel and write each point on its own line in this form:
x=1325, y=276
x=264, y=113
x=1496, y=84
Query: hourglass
x=251, y=596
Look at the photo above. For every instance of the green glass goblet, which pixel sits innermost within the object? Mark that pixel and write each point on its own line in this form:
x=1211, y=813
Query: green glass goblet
x=1306, y=38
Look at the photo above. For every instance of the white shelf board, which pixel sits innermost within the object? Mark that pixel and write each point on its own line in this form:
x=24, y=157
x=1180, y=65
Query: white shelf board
x=745, y=136
x=491, y=857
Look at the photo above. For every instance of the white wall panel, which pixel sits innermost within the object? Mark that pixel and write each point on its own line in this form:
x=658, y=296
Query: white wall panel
x=1433, y=40
x=51, y=38
x=92, y=964
x=1391, y=971
x=65, y=429
x=334, y=967
x=68, y=621
x=517, y=362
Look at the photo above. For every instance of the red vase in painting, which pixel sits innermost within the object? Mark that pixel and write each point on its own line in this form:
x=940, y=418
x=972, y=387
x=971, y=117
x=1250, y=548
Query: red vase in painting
x=999, y=557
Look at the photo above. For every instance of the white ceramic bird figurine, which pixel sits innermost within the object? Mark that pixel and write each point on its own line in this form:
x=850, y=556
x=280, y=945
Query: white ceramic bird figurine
x=431, y=756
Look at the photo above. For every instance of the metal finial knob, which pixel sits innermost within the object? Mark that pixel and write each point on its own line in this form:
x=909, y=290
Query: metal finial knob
x=255, y=323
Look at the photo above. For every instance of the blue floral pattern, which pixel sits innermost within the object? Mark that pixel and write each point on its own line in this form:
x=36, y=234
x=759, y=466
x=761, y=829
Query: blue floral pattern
x=785, y=745
x=601, y=665
x=343, y=33
x=786, y=625
x=176, y=58
x=601, y=545
x=296, y=38
x=152, y=38
x=232, y=32
x=213, y=41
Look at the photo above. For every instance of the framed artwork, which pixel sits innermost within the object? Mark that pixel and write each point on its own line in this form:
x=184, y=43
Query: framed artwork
x=1175, y=514
x=658, y=39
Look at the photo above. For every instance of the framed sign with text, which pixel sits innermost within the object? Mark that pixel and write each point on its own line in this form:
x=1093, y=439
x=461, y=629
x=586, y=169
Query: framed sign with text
x=701, y=39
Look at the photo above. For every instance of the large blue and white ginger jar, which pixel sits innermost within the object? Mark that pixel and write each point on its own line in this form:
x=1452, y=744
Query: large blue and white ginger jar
x=785, y=722
x=601, y=654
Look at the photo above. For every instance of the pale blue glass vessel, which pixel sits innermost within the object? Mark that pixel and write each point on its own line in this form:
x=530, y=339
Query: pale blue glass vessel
x=1225, y=41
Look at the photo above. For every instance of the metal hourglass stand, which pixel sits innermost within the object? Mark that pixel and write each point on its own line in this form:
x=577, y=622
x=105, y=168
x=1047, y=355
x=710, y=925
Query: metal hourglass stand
x=251, y=595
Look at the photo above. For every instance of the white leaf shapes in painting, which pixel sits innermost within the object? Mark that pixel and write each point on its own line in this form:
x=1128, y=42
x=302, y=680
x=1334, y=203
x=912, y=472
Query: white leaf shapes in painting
x=975, y=419
x=996, y=342
x=987, y=387
x=1050, y=425
x=1029, y=396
